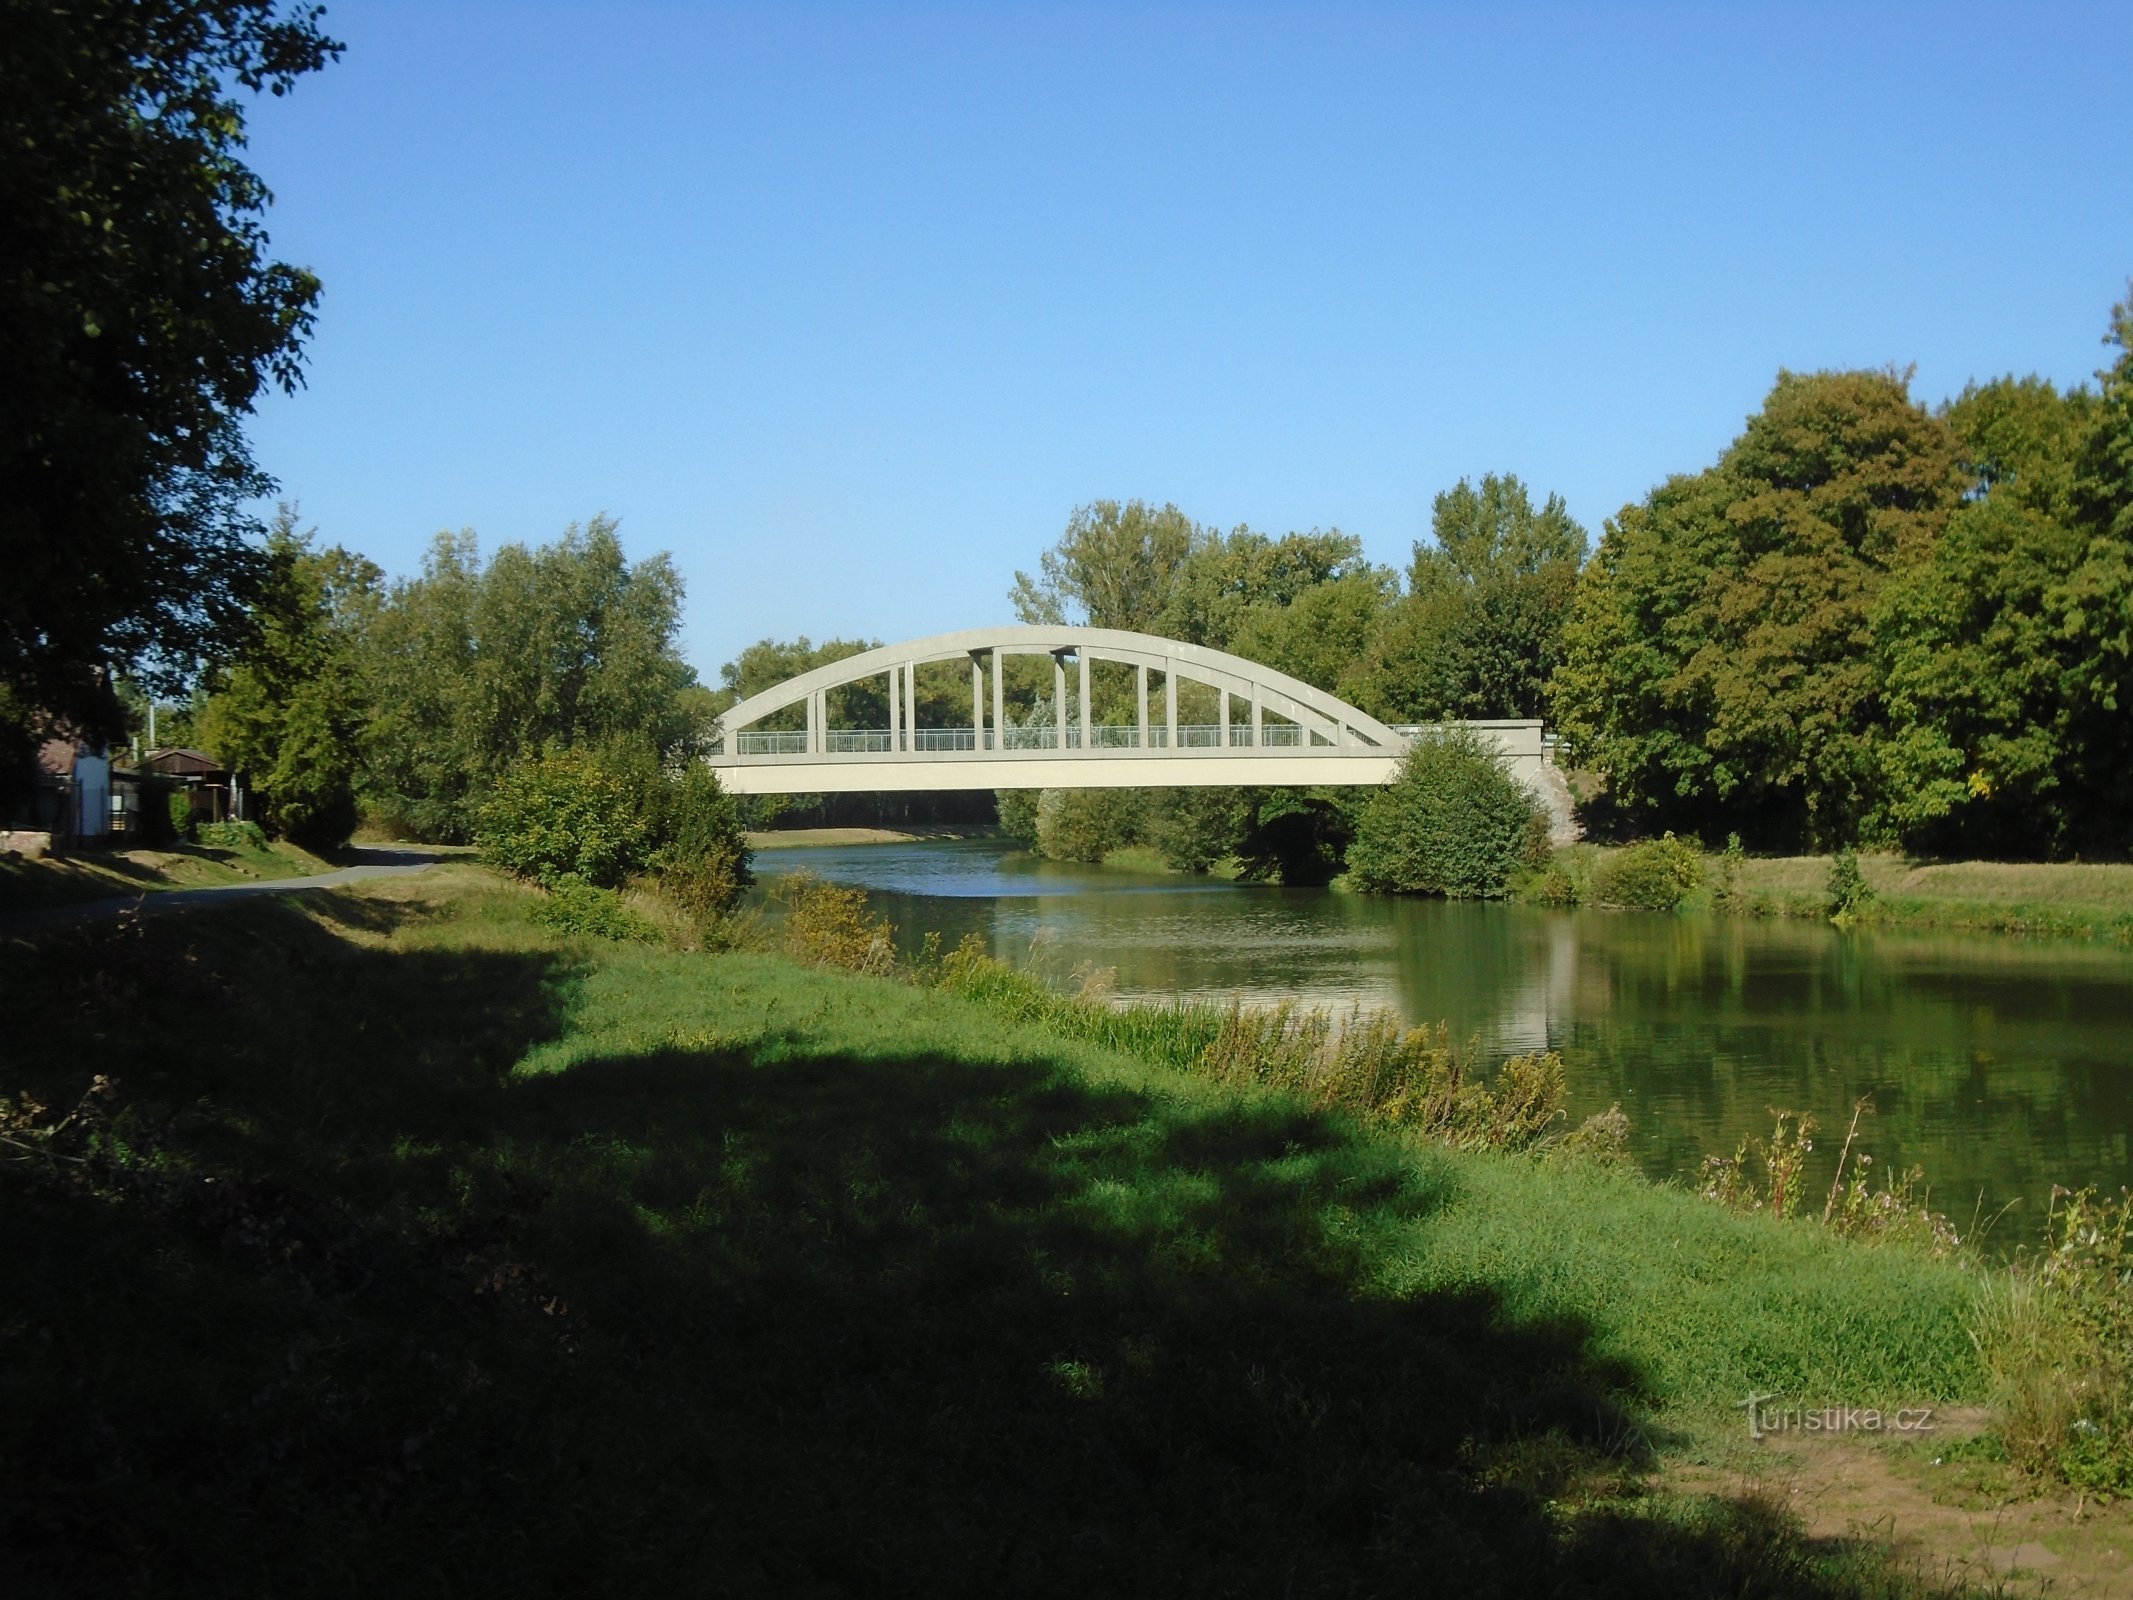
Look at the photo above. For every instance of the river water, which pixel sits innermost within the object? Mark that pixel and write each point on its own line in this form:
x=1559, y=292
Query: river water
x=2000, y=1065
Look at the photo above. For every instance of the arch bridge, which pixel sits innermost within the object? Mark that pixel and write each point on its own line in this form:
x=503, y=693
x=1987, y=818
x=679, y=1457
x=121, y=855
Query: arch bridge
x=1268, y=728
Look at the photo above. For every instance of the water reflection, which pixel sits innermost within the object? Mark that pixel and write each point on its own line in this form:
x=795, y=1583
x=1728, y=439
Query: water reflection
x=2001, y=1066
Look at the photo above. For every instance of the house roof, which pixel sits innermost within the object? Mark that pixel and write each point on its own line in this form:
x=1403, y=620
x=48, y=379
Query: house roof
x=181, y=763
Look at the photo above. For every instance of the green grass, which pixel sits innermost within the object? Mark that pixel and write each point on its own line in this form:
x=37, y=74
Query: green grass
x=100, y=875
x=425, y=1252
x=2059, y=899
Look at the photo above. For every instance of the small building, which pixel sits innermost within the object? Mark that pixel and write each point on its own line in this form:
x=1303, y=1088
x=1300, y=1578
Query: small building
x=210, y=788
x=69, y=793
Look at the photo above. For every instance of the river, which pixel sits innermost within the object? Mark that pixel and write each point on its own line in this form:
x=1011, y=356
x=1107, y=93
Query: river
x=2001, y=1066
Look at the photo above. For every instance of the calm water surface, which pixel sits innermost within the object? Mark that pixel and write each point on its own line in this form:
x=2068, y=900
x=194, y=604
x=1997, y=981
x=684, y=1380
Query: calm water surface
x=2001, y=1066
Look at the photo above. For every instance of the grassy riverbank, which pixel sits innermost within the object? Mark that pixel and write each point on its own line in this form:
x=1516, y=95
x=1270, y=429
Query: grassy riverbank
x=419, y=1247
x=2068, y=899
x=99, y=875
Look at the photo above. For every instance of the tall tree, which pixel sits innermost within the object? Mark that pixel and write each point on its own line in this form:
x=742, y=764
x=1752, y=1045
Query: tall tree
x=1720, y=663
x=2007, y=654
x=1479, y=632
x=141, y=315
x=469, y=668
x=1112, y=568
x=288, y=713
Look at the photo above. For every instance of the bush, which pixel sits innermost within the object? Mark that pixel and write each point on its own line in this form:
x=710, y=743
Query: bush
x=1656, y=875
x=1848, y=891
x=178, y=807
x=1455, y=822
x=574, y=906
x=232, y=835
x=567, y=813
x=703, y=858
x=1018, y=815
x=829, y=926
x=1086, y=824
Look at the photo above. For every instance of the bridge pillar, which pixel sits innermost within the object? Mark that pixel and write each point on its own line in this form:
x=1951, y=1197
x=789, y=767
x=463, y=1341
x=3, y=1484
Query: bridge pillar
x=1170, y=709
x=1257, y=722
x=1222, y=694
x=1059, y=694
x=1140, y=683
x=999, y=701
x=977, y=703
x=1081, y=662
x=911, y=705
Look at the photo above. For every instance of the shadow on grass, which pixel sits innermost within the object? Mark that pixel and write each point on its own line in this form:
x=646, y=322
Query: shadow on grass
x=755, y=1320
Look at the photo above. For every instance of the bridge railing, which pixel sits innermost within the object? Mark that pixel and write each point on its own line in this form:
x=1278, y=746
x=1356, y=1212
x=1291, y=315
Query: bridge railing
x=1102, y=736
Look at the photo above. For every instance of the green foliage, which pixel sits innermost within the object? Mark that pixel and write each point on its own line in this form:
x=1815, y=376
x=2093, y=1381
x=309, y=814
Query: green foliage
x=1656, y=875
x=469, y=667
x=1480, y=630
x=573, y=906
x=700, y=855
x=568, y=813
x=1848, y=889
x=828, y=925
x=178, y=806
x=142, y=319
x=1719, y=663
x=1018, y=815
x=1086, y=824
x=1111, y=568
x=1195, y=828
x=289, y=711
x=1455, y=823
x=1727, y=895
x=2056, y=1333
x=231, y=835
x=1732, y=1182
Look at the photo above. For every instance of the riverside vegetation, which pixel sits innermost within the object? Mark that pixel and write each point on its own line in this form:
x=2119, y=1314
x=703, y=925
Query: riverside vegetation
x=458, y=1251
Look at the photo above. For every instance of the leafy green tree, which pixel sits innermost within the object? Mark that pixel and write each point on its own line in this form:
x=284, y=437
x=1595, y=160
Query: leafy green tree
x=2007, y=653
x=141, y=316
x=1231, y=587
x=470, y=668
x=1453, y=823
x=1480, y=631
x=568, y=814
x=770, y=662
x=1112, y=568
x=288, y=714
x=1720, y=662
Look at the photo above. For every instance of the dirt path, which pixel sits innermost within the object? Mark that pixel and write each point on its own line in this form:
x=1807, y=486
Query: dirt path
x=378, y=862
x=1957, y=1520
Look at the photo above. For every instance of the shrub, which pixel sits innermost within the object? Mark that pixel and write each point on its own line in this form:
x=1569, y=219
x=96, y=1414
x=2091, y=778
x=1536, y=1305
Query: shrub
x=567, y=813
x=232, y=835
x=1848, y=890
x=574, y=906
x=1727, y=894
x=1656, y=875
x=1086, y=824
x=178, y=807
x=1454, y=822
x=829, y=926
x=703, y=858
x=1018, y=815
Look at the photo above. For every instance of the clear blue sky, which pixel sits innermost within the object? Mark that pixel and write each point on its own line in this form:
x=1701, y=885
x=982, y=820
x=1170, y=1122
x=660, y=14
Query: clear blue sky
x=848, y=307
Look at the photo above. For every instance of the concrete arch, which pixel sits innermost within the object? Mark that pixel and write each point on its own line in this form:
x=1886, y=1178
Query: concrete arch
x=1328, y=718
x=1317, y=739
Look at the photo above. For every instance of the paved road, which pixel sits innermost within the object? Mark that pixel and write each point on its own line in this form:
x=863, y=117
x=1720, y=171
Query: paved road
x=377, y=862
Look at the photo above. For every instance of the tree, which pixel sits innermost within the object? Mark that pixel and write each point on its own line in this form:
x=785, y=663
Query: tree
x=1720, y=662
x=1479, y=632
x=288, y=713
x=1112, y=568
x=2006, y=654
x=469, y=668
x=1454, y=822
x=141, y=316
